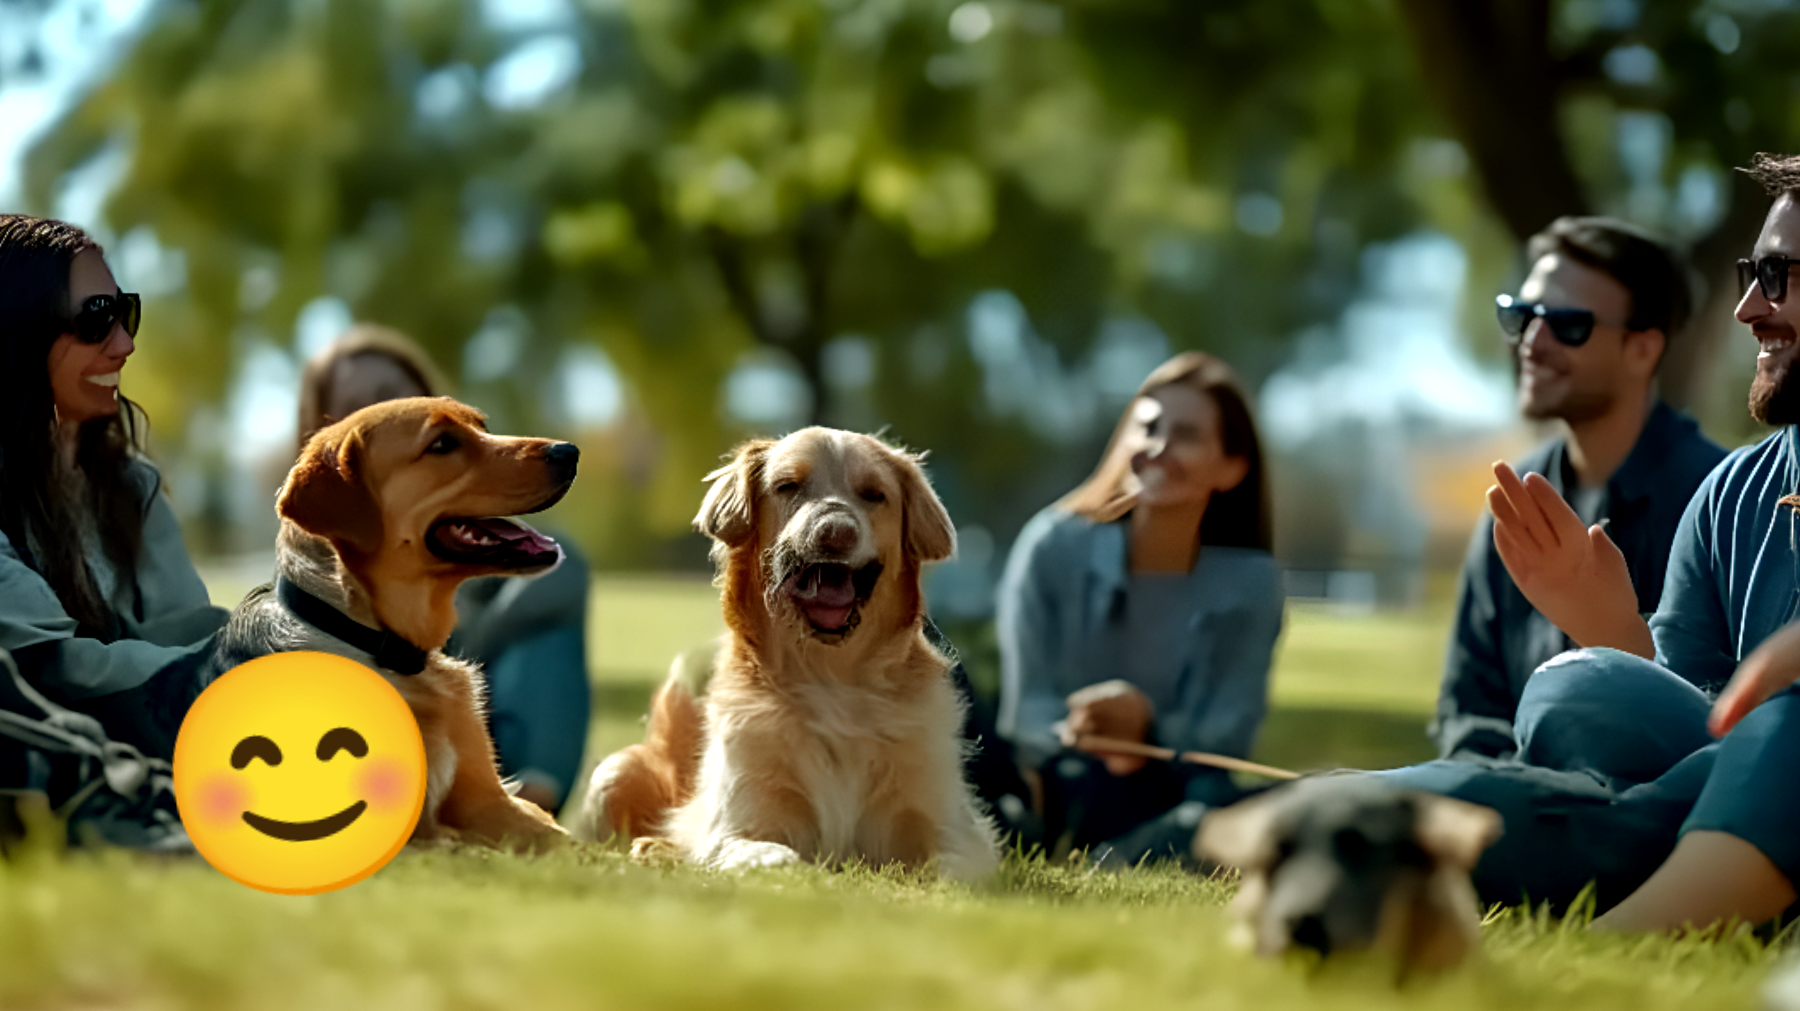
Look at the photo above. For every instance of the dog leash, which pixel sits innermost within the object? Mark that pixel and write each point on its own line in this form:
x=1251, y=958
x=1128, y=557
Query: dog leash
x=390, y=651
x=1091, y=742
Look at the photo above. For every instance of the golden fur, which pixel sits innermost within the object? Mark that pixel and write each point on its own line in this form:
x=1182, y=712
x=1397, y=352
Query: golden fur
x=823, y=743
x=356, y=510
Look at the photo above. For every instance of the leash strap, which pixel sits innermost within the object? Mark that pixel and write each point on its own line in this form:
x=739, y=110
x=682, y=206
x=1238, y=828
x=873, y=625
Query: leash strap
x=390, y=651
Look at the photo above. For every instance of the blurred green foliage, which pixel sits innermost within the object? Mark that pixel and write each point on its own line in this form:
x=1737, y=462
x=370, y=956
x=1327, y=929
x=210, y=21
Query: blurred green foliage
x=720, y=176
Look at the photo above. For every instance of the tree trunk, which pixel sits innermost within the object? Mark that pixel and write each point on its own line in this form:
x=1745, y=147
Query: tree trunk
x=1488, y=65
x=817, y=239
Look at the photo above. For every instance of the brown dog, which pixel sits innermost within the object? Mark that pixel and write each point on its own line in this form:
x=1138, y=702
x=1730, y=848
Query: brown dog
x=831, y=729
x=1341, y=863
x=383, y=516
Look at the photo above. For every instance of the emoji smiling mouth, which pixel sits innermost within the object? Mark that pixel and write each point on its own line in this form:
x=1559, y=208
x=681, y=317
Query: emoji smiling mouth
x=306, y=831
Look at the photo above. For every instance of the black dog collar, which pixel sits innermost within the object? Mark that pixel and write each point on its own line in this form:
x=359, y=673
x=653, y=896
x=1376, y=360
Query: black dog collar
x=391, y=652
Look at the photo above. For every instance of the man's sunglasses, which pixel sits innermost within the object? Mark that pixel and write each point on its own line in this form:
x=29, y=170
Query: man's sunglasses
x=1571, y=326
x=1770, y=274
x=94, y=323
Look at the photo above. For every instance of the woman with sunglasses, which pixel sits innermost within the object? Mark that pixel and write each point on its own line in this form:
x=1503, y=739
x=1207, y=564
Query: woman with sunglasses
x=1144, y=606
x=99, y=603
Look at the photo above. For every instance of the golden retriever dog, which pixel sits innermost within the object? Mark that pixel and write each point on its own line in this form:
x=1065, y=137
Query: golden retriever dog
x=1344, y=863
x=831, y=731
x=383, y=516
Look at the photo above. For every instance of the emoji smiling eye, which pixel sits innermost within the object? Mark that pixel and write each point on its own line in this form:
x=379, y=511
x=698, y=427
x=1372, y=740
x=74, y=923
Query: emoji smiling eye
x=342, y=739
x=255, y=747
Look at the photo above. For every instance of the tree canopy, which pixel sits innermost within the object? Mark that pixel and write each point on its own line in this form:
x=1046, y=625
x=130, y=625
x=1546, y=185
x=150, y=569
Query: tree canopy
x=902, y=203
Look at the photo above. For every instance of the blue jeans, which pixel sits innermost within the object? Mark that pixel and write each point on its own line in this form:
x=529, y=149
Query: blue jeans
x=539, y=704
x=1614, y=764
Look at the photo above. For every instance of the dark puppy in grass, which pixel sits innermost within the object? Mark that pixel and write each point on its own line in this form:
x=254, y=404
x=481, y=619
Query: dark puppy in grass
x=1334, y=864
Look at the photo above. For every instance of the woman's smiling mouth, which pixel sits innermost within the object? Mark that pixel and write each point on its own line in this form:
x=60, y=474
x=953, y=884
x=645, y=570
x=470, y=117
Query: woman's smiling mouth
x=306, y=831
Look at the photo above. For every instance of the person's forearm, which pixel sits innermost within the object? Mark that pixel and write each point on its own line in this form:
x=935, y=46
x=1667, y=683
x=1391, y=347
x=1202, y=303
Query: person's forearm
x=1628, y=633
x=1711, y=876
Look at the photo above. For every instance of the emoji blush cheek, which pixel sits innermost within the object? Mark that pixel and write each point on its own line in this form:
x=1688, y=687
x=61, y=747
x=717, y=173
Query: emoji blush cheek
x=384, y=784
x=224, y=799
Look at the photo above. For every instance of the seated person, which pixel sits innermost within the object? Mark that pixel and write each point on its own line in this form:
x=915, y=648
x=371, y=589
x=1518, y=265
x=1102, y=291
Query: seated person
x=1619, y=780
x=100, y=605
x=529, y=635
x=1144, y=606
x=1589, y=328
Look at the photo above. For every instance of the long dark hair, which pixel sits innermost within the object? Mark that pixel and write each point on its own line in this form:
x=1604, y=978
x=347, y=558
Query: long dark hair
x=1238, y=518
x=39, y=512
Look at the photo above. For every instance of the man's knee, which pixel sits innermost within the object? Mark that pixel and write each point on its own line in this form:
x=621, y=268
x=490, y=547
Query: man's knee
x=1609, y=711
x=1584, y=676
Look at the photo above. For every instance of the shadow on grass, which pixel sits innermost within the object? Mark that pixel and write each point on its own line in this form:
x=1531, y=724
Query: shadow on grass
x=623, y=700
x=1315, y=737
x=1294, y=737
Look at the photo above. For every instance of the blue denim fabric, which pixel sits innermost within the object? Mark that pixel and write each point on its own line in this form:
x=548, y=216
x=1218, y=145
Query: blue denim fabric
x=1499, y=640
x=539, y=697
x=1615, y=763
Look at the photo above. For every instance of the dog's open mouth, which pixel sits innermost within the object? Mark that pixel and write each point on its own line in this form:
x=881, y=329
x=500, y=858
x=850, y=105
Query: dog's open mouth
x=492, y=541
x=828, y=593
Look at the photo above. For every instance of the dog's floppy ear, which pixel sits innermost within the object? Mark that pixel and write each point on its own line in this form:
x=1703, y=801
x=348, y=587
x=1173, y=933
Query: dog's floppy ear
x=728, y=512
x=325, y=494
x=1242, y=835
x=1455, y=832
x=930, y=536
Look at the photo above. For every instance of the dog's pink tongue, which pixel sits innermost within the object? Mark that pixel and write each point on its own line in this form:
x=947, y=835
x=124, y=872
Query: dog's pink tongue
x=827, y=596
x=489, y=532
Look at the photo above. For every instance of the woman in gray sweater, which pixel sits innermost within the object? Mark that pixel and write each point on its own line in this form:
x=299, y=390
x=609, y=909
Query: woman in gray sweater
x=99, y=603
x=1144, y=606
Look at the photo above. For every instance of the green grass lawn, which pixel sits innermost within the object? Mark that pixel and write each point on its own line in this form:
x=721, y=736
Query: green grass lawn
x=474, y=929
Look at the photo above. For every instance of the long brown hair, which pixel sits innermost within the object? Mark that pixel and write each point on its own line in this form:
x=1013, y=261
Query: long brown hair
x=361, y=339
x=39, y=513
x=1237, y=518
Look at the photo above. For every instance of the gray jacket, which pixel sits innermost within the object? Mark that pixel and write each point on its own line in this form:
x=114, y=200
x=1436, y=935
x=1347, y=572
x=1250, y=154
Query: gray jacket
x=1063, y=625
x=165, y=617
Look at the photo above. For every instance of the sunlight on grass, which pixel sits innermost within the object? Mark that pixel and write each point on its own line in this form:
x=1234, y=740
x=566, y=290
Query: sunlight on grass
x=474, y=929
x=1389, y=660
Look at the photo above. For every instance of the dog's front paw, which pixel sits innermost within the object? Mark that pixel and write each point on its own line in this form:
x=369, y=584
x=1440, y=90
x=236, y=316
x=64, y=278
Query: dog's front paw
x=750, y=854
x=436, y=837
x=654, y=851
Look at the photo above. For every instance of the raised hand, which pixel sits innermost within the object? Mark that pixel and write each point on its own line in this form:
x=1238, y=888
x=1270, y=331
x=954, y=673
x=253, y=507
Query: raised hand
x=1573, y=575
x=1768, y=669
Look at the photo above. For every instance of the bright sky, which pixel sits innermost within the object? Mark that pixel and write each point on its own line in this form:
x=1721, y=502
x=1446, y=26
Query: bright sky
x=80, y=37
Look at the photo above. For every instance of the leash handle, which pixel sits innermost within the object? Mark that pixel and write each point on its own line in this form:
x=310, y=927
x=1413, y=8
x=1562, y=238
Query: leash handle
x=1092, y=742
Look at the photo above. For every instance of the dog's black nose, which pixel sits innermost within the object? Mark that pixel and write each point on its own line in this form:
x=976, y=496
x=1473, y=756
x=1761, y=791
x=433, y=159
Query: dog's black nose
x=837, y=535
x=563, y=455
x=1309, y=932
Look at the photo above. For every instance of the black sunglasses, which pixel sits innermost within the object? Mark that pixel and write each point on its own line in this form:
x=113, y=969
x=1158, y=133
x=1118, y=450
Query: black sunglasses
x=1770, y=274
x=1571, y=326
x=94, y=323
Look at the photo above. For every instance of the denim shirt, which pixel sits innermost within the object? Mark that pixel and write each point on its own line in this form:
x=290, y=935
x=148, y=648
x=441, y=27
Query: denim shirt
x=1734, y=570
x=165, y=619
x=1063, y=625
x=1499, y=639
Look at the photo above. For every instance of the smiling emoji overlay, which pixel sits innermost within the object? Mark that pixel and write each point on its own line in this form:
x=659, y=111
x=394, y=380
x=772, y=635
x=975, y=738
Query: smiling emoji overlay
x=299, y=773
